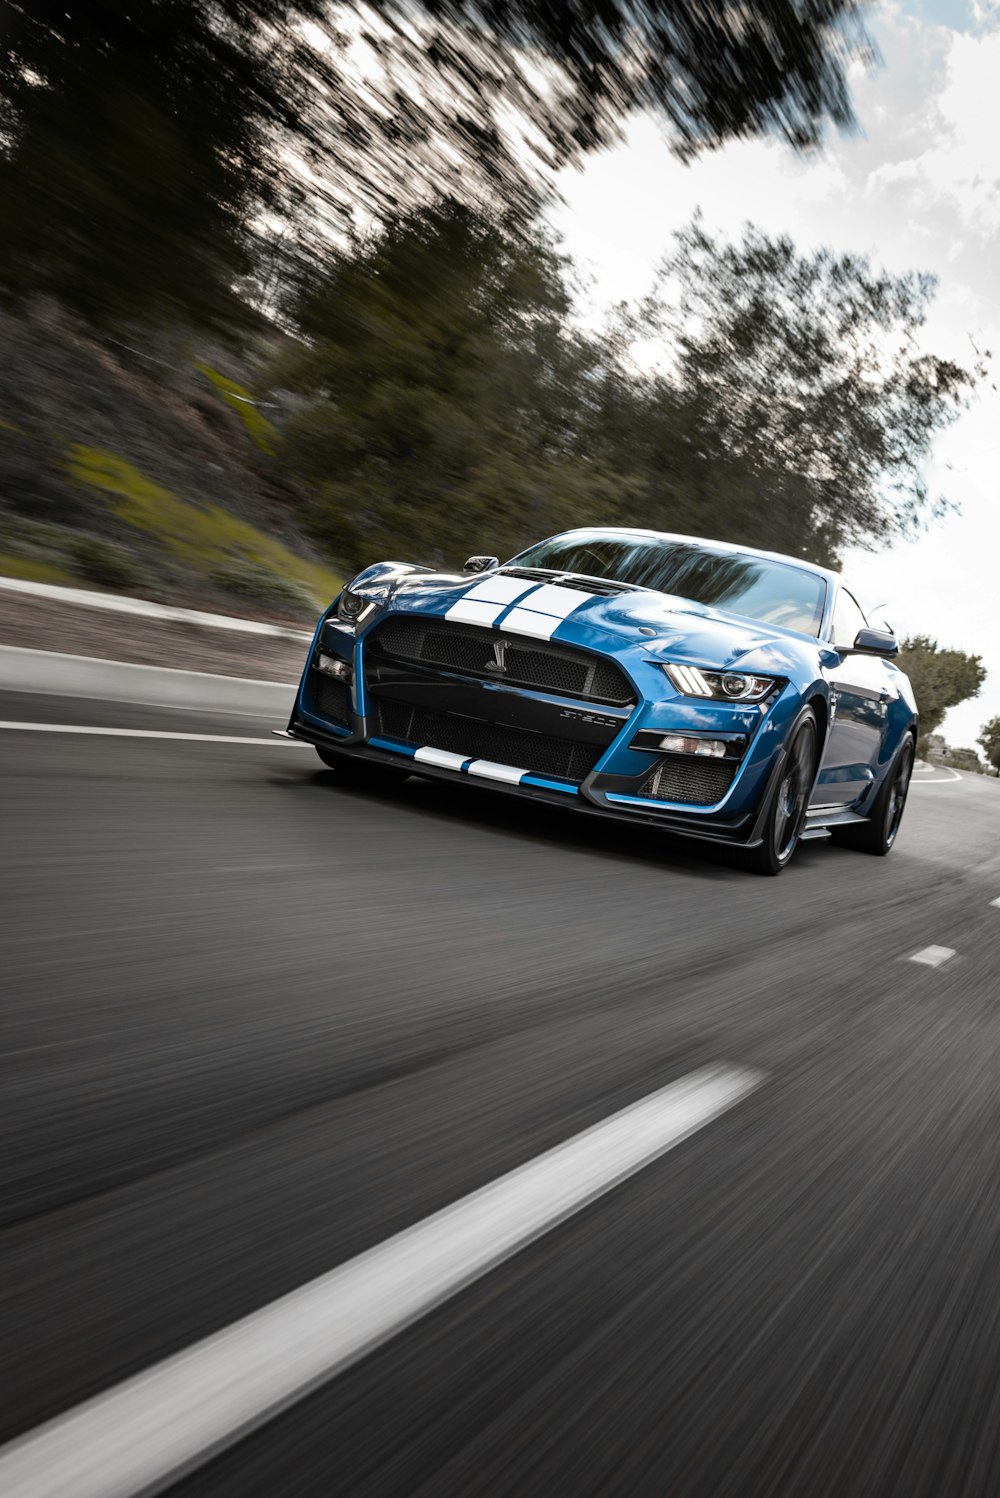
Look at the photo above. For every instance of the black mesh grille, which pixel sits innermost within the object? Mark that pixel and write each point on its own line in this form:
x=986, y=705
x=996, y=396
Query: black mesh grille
x=478, y=740
x=464, y=648
x=701, y=782
x=330, y=698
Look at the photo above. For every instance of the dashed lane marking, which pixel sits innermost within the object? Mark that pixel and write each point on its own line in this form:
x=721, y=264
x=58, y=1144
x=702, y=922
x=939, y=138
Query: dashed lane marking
x=146, y=733
x=145, y=1433
x=995, y=902
x=933, y=956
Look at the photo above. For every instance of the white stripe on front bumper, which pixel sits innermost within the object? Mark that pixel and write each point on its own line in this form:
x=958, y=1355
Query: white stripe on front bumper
x=442, y=757
x=491, y=771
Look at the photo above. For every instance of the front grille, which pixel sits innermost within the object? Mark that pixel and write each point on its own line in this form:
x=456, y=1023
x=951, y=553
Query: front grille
x=701, y=782
x=540, y=753
x=466, y=649
x=330, y=698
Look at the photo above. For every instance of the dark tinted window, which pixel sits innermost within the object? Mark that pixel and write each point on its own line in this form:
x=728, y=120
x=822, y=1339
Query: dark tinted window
x=775, y=592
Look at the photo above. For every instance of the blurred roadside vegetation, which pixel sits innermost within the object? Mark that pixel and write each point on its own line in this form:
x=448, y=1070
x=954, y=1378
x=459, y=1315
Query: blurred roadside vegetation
x=277, y=299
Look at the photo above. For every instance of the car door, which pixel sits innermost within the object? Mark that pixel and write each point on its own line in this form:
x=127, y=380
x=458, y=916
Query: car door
x=860, y=692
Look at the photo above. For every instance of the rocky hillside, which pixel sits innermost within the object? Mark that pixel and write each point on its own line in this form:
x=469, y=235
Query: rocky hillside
x=147, y=467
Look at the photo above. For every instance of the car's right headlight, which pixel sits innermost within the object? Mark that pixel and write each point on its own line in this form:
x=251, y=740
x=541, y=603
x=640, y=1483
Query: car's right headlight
x=720, y=686
x=355, y=605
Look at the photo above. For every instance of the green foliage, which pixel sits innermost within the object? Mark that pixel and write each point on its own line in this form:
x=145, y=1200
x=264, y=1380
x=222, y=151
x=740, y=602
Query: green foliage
x=50, y=552
x=452, y=406
x=206, y=539
x=144, y=144
x=264, y=589
x=799, y=381
x=989, y=740
x=941, y=678
x=447, y=400
x=138, y=151
x=34, y=569
x=260, y=431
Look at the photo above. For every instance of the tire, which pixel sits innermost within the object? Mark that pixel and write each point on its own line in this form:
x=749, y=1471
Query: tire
x=787, y=813
x=361, y=772
x=878, y=834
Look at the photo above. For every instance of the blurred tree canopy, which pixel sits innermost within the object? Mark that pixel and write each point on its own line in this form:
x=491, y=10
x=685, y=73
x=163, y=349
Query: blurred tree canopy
x=451, y=405
x=989, y=740
x=152, y=154
x=941, y=678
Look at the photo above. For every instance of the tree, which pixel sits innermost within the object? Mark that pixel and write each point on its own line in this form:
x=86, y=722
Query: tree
x=447, y=404
x=989, y=741
x=149, y=152
x=136, y=151
x=941, y=678
x=802, y=389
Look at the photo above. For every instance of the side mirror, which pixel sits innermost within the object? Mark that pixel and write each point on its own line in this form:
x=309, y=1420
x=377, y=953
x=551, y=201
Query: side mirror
x=874, y=642
x=481, y=564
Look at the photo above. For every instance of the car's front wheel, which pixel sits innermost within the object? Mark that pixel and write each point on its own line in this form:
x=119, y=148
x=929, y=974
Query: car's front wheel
x=786, y=814
x=361, y=772
x=878, y=834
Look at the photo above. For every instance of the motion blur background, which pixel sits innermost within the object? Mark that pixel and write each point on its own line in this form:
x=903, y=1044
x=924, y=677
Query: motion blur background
x=289, y=288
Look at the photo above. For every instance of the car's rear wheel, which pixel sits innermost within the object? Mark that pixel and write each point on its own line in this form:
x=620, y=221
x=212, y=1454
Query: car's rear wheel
x=787, y=812
x=361, y=772
x=878, y=834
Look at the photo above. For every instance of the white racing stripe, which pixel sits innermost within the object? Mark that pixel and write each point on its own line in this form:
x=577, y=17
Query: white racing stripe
x=484, y=603
x=146, y=733
x=149, y=1430
x=490, y=770
x=523, y=622
x=443, y=757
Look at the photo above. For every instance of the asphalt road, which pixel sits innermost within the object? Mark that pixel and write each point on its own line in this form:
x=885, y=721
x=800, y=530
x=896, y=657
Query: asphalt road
x=253, y=1024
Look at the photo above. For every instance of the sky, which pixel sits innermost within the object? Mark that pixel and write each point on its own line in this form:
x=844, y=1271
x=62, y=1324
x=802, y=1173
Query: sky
x=917, y=188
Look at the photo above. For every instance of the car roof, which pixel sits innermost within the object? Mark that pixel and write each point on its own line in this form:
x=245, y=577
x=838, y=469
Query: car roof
x=749, y=551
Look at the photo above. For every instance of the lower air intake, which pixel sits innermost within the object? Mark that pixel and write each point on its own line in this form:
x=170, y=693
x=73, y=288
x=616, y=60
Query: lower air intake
x=329, y=698
x=696, y=782
x=540, y=753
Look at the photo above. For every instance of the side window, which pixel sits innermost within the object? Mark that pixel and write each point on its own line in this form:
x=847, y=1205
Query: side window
x=847, y=619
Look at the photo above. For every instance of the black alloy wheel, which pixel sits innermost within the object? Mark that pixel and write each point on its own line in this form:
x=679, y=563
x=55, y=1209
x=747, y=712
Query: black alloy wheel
x=362, y=773
x=787, y=814
x=878, y=834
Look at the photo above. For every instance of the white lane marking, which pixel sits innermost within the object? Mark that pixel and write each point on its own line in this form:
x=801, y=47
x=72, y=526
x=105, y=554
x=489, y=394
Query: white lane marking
x=466, y=612
x=953, y=775
x=145, y=733
x=498, y=589
x=443, y=757
x=933, y=956
x=523, y=622
x=995, y=902
x=490, y=770
x=551, y=599
x=165, y=1421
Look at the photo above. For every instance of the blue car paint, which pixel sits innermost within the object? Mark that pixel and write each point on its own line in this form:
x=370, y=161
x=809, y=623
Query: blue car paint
x=619, y=627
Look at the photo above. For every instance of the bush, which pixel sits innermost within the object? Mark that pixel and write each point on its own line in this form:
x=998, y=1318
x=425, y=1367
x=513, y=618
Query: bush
x=256, y=585
x=103, y=563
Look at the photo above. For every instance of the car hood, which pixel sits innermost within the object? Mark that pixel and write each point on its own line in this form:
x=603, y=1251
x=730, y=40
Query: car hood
x=657, y=625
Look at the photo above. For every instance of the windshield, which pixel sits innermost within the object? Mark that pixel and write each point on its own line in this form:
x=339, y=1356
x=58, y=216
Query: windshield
x=775, y=592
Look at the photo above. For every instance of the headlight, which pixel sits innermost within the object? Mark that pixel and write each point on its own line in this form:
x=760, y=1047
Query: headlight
x=355, y=607
x=722, y=686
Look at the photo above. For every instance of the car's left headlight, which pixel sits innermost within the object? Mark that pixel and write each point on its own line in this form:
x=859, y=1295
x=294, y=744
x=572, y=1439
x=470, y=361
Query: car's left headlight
x=721, y=686
x=356, y=604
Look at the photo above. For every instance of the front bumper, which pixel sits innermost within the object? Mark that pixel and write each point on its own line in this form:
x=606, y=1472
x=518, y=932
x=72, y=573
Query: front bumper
x=616, y=784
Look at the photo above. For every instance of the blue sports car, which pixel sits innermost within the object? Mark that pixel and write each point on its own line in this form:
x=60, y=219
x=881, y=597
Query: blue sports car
x=712, y=690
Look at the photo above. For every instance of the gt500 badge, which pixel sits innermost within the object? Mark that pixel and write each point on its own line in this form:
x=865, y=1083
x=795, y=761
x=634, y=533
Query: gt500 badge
x=578, y=716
